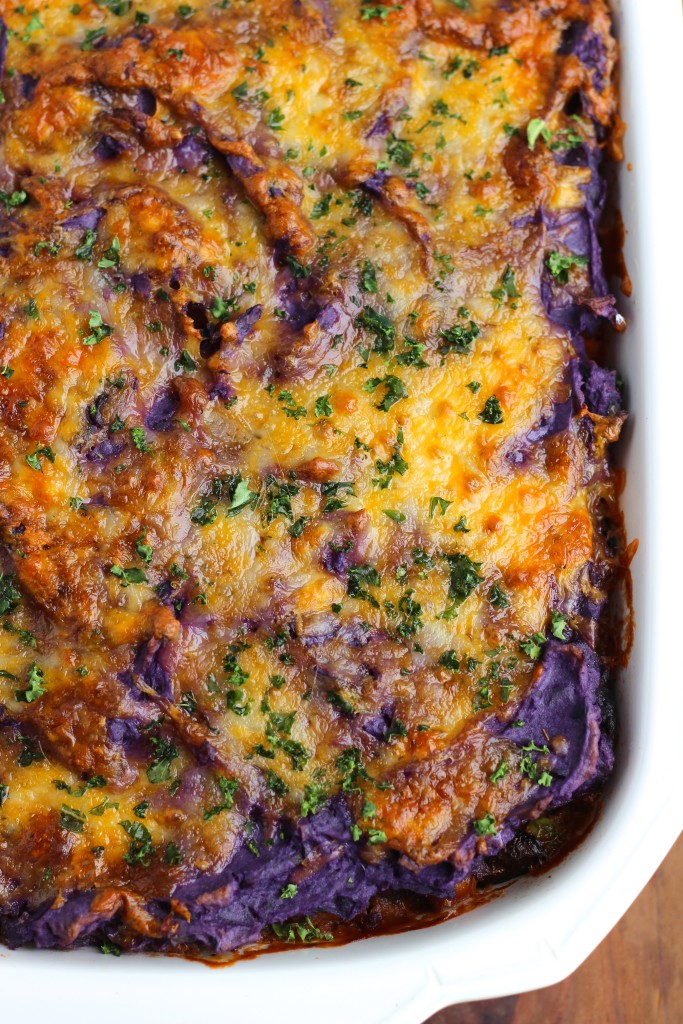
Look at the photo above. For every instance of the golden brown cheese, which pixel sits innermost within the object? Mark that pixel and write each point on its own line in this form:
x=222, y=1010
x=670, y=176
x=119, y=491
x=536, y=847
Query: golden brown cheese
x=272, y=336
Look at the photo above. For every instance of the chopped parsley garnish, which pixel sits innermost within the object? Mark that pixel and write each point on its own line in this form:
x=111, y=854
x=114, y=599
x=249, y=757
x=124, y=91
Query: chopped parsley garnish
x=533, y=645
x=537, y=128
x=141, y=848
x=295, y=751
x=485, y=826
x=298, y=526
x=291, y=409
x=322, y=406
x=411, y=612
x=91, y=37
x=559, y=266
x=234, y=489
x=128, y=576
x=185, y=362
x=11, y=200
x=381, y=11
x=379, y=325
x=558, y=625
x=412, y=356
x=424, y=560
x=221, y=308
x=275, y=119
x=492, y=412
x=458, y=338
x=449, y=659
x=228, y=788
x=34, y=688
x=278, y=499
x=303, y=931
x=438, y=503
x=34, y=459
x=395, y=464
x=332, y=490
x=529, y=767
x=322, y=207
x=145, y=552
x=173, y=854
x=395, y=390
x=507, y=288
x=235, y=697
x=110, y=948
x=139, y=439
x=71, y=819
x=335, y=698
x=350, y=767
x=84, y=250
x=396, y=729
x=30, y=752
x=315, y=797
x=9, y=595
x=164, y=754
x=205, y=513
x=188, y=702
x=399, y=150
x=360, y=577
x=368, y=278
x=299, y=270
x=94, y=782
x=274, y=782
x=501, y=771
x=564, y=138
x=497, y=597
x=464, y=577
x=98, y=329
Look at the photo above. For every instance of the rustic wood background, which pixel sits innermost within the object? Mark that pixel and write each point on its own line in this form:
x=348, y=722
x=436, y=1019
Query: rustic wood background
x=634, y=977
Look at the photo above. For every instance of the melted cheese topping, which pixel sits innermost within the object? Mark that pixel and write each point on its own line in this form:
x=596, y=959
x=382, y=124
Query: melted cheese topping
x=273, y=348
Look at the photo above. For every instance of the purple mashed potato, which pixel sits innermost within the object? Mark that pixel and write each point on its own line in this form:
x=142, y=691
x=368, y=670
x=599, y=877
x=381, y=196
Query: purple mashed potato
x=108, y=148
x=567, y=705
x=332, y=872
x=162, y=414
x=587, y=45
x=191, y=153
x=87, y=219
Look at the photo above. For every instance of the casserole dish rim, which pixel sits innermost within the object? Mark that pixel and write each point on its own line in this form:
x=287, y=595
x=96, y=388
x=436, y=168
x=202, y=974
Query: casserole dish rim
x=543, y=927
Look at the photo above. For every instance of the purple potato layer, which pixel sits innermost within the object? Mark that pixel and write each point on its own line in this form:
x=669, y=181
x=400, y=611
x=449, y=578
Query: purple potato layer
x=567, y=711
x=333, y=873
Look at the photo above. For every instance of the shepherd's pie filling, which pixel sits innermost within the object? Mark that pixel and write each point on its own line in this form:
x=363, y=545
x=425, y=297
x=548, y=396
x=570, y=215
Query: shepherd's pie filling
x=308, y=526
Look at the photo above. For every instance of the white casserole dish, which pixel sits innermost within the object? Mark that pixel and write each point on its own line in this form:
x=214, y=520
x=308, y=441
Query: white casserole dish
x=541, y=928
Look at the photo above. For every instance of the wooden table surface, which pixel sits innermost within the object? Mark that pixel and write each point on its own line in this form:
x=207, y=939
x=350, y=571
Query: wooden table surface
x=634, y=977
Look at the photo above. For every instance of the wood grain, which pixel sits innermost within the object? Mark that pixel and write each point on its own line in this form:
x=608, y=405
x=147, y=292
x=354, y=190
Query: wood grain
x=634, y=977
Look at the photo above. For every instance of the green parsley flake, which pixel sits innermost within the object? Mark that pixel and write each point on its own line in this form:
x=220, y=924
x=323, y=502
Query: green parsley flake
x=485, y=826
